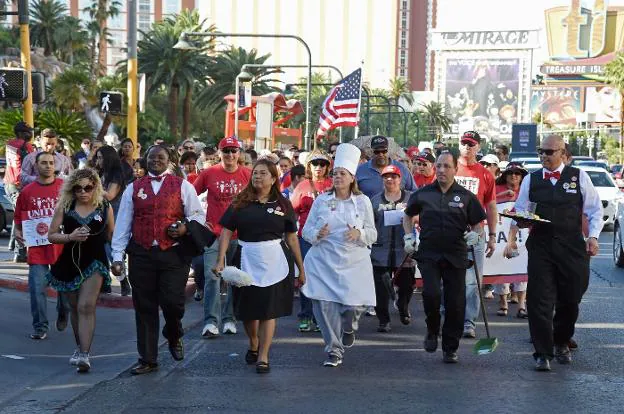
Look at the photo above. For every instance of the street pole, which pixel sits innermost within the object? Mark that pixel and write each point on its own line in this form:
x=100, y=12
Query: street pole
x=236, y=87
x=133, y=68
x=185, y=35
x=22, y=8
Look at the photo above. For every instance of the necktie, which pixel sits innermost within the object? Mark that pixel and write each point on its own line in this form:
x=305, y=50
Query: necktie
x=157, y=178
x=548, y=175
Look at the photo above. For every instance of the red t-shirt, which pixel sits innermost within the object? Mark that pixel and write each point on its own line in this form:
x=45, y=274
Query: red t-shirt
x=16, y=151
x=303, y=197
x=35, y=201
x=222, y=186
x=501, y=188
x=191, y=177
x=423, y=180
x=476, y=179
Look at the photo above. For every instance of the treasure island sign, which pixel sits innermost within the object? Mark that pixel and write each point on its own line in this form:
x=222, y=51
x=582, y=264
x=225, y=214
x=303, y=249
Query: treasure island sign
x=582, y=40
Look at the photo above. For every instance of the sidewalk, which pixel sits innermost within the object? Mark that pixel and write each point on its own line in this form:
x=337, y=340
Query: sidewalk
x=15, y=276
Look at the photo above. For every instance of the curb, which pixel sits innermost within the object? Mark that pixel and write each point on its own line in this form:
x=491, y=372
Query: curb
x=105, y=300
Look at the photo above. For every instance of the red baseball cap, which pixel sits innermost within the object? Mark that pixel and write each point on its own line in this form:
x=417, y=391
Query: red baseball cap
x=471, y=136
x=229, y=142
x=391, y=169
x=412, y=152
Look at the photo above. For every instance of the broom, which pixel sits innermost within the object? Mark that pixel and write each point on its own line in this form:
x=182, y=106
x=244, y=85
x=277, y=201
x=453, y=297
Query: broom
x=489, y=344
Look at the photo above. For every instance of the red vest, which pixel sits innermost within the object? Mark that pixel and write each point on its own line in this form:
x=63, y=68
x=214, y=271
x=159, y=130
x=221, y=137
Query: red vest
x=154, y=213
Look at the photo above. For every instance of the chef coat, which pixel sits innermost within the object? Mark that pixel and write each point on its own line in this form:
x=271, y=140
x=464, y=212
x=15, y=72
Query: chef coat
x=338, y=270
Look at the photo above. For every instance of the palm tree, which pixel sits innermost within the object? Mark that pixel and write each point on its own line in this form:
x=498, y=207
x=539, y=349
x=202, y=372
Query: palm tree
x=72, y=39
x=73, y=89
x=99, y=11
x=224, y=68
x=46, y=16
x=614, y=76
x=400, y=88
x=436, y=118
x=173, y=69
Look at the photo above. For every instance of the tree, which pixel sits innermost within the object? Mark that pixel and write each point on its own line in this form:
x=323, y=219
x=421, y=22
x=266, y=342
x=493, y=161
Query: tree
x=400, y=88
x=225, y=67
x=614, y=76
x=73, y=90
x=435, y=117
x=173, y=69
x=72, y=39
x=99, y=11
x=46, y=16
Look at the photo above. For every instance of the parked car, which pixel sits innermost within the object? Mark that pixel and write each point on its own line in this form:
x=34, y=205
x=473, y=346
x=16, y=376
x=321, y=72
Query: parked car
x=6, y=211
x=578, y=158
x=599, y=164
x=610, y=194
x=532, y=166
x=618, y=237
x=519, y=156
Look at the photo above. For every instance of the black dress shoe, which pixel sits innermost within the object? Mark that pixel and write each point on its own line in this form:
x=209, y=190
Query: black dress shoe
x=143, y=368
x=450, y=357
x=563, y=354
x=177, y=350
x=431, y=342
x=542, y=364
x=126, y=290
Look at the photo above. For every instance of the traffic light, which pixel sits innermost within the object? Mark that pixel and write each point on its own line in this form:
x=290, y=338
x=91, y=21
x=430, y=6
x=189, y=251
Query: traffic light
x=111, y=102
x=13, y=85
x=38, y=87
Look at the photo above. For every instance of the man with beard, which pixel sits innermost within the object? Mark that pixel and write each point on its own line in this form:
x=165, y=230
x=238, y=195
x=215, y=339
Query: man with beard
x=368, y=174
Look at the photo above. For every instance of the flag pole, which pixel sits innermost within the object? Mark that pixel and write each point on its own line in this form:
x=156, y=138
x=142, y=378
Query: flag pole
x=357, y=127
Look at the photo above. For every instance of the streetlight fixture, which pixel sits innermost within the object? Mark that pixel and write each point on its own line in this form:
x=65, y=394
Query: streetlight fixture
x=184, y=44
x=245, y=77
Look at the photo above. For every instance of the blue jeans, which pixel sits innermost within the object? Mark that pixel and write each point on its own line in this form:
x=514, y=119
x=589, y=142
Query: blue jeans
x=473, y=302
x=37, y=284
x=214, y=312
x=305, y=311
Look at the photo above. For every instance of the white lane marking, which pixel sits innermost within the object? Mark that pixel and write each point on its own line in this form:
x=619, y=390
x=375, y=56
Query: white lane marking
x=12, y=356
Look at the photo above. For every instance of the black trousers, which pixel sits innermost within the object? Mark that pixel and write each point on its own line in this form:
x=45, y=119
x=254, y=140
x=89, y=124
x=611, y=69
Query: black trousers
x=558, y=278
x=384, y=290
x=454, y=281
x=158, y=278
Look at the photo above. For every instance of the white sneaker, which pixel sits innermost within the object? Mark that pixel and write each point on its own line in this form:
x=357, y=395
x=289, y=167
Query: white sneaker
x=83, y=362
x=229, y=328
x=73, y=360
x=210, y=331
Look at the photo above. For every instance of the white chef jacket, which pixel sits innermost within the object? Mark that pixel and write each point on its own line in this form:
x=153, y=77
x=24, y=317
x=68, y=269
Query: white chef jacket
x=338, y=270
x=592, y=206
x=123, y=226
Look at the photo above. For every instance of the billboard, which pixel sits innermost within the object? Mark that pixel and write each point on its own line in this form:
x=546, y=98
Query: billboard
x=557, y=104
x=604, y=101
x=483, y=93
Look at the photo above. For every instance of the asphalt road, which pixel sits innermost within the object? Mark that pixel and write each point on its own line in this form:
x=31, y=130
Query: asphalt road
x=381, y=373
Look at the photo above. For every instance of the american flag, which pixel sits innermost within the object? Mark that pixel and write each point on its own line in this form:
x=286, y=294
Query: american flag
x=342, y=105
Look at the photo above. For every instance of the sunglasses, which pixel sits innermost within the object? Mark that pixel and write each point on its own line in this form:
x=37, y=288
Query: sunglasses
x=319, y=163
x=518, y=173
x=383, y=151
x=229, y=150
x=469, y=144
x=548, y=152
x=487, y=164
x=189, y=148
x=81, y=189
x=390, y=176
x=421, y=164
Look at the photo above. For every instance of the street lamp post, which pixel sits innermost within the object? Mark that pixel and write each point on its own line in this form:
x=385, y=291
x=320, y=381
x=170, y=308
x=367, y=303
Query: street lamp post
x=404, y=118
x=183, y=43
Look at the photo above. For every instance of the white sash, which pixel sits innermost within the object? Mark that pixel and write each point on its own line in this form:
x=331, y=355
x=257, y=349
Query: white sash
x=265, y=261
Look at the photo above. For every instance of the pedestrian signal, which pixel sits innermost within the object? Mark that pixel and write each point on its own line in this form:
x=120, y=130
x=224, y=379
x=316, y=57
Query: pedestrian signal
x=13, y=85
x=111, y=102
x=38, y=87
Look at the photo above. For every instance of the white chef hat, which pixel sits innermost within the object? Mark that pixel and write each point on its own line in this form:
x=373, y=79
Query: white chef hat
x=347, y=157
x=303, y=157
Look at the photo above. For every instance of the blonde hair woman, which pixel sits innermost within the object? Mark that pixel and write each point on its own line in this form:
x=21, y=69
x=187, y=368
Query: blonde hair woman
x=83, y=221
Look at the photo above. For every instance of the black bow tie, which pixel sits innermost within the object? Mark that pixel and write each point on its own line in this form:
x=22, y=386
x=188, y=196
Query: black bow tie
x=157, y=178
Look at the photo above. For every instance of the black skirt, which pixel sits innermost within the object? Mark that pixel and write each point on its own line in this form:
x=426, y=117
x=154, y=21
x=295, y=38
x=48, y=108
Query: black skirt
x=264, y=303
